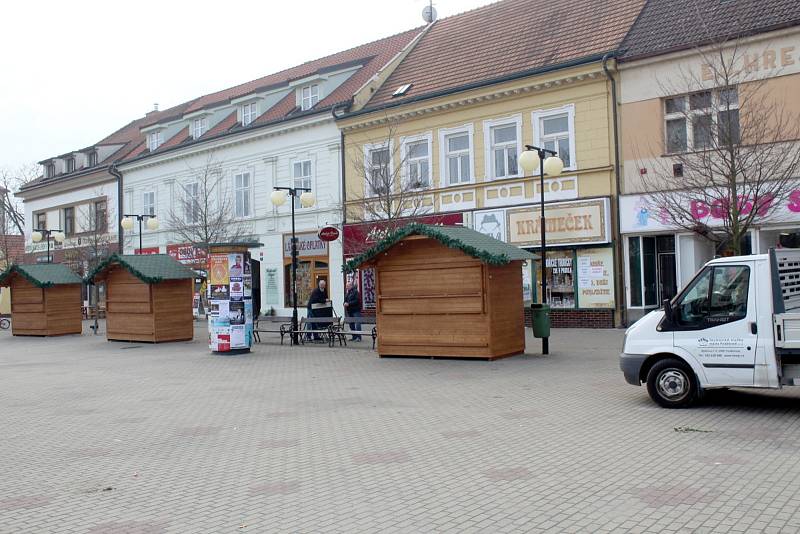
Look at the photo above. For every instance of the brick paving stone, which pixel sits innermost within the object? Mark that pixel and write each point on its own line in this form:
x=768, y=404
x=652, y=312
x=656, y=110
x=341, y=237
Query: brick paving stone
x=312, y=439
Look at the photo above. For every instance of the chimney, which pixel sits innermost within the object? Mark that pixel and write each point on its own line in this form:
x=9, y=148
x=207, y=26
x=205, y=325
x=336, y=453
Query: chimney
x=155, y=110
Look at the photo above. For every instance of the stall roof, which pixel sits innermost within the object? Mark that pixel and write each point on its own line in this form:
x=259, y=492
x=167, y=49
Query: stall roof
x=471, y=242
x=149, y=268
x=42, y=275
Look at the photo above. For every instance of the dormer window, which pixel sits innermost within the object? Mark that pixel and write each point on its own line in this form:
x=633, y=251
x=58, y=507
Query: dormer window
x=155, y=140
x=70, y=164
x=199, y=127
x=50, y=170
x=310, y=97
x=249, y=113
x=91, y=159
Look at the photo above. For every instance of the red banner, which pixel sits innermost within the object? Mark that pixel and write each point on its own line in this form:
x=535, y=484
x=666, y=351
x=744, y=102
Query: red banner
x=188, y=255
x=359, y=237
x=146, y=250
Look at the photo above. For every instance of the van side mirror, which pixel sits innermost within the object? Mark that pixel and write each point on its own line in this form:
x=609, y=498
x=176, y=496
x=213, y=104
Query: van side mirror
x=668, y=314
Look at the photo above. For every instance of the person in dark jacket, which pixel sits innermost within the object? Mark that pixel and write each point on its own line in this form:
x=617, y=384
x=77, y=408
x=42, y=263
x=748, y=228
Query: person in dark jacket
x=318, y=296
x=352, y=307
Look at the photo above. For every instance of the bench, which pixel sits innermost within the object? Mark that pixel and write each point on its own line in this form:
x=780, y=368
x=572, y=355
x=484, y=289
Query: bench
x=364, y=326
x=326, y=327
x=278, y=324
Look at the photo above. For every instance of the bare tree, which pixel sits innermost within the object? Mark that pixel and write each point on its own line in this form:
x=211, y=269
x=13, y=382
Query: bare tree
x=397, y=178
x=205, y=210
x=733, y=148
x=12, y=218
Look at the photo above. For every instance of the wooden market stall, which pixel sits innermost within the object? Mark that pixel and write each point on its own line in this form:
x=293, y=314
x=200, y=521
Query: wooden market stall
x=447, y=291
x=148, y=298
x=45, y=299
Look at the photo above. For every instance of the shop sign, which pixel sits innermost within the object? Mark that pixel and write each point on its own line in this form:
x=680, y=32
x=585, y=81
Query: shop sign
x=328, y=233
x=359, y=237
x=491, y=223
x=146, y=250
x=596, y=278
x=641, y=213
x=308, y=245
x=188, y=254
x=566, y=223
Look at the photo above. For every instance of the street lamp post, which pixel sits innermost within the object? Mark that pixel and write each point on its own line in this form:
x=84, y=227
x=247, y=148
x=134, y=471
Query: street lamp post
x=531, y=158
x=127, y=224
x=278, y=198
x=39, y=233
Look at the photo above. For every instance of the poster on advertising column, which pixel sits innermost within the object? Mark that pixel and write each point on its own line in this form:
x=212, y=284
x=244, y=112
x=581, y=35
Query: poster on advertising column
x=596, y=278
x=231, y=323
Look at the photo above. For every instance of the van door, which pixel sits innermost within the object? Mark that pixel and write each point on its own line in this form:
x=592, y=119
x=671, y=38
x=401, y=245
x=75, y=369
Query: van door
x=713, y=319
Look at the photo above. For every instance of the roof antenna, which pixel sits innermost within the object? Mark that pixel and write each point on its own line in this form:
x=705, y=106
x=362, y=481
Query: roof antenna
x=429, y=12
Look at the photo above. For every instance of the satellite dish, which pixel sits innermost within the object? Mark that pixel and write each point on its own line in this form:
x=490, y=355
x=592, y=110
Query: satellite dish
x=429, y=14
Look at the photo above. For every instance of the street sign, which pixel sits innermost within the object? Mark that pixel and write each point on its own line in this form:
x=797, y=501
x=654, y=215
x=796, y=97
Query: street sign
x=329, y=233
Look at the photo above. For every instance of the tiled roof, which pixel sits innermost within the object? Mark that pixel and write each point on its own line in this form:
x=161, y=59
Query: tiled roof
x=372, y=56
x=149, y=268
x=671, y=25
x=224, y=125
x=507, y=38
x=177, y=139
x=42, y=275
x=471, y=242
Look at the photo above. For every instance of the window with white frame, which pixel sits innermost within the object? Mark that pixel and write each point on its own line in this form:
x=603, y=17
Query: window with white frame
x=199, y=127
x=417, y=153
x=191, y=202
x=458, y=158
x=695, y=121
x=503, y=149
x=555, y=130
x=310, y=97
x=155, y=140
x=378, y=173
x=301, y=175
x=242, y=192
x=149, y=203
x=248, y=113
x=70, y=164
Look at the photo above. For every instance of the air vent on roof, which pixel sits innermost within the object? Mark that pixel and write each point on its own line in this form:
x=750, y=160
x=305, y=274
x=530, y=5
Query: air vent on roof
x=403, y=89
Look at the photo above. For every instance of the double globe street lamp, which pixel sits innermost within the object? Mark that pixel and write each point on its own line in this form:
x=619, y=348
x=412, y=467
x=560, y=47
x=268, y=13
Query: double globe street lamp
x=278, y=198
x=43, y=233
x=548, y=162
x=127, y=224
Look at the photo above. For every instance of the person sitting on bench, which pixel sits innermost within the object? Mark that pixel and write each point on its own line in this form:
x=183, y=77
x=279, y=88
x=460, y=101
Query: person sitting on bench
x=318, y=296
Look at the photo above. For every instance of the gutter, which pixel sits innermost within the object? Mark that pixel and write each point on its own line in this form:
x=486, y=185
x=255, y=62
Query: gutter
x=618, y=249
x=476, y=85
x=113, y=171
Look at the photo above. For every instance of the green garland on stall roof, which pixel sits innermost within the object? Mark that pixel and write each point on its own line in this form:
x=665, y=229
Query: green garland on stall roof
x=15, y=269
x=429, y=231
x=135, y=272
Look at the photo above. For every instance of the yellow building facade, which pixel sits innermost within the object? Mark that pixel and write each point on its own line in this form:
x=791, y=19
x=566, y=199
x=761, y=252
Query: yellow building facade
x=459, y=152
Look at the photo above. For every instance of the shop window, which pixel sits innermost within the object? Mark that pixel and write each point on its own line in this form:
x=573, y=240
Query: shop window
x=635, y=270
x=595, y=278
x=560, y=279
x=649, y=268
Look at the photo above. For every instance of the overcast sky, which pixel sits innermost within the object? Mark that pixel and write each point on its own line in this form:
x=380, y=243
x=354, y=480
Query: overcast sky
x=73, y=72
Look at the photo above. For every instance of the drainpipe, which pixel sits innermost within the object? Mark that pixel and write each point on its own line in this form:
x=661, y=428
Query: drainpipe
x=342, y=164
x=618, y=249
x=113, y=171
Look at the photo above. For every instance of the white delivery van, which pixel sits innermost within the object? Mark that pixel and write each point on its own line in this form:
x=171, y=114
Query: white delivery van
x=736, y=324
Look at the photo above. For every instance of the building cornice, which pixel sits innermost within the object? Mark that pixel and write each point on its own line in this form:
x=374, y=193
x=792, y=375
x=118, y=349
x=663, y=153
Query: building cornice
x=224, y=141
x=420, y=108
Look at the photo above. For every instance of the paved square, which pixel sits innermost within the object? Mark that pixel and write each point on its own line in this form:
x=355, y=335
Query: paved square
x=99, y=437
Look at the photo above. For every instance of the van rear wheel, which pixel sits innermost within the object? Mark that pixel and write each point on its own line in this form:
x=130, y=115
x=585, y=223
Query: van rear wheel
x=672, y=384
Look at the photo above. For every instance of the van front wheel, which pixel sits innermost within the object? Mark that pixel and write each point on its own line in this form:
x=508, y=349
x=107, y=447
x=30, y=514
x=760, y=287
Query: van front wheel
x=672, y=384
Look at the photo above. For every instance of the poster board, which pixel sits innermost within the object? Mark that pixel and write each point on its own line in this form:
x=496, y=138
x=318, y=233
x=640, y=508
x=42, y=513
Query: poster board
x=230, y=282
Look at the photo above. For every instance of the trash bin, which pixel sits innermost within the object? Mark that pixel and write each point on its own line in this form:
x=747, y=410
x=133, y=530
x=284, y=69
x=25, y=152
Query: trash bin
x=540, y=317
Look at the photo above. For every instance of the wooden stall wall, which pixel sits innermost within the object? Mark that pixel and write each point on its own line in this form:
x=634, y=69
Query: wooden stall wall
x=506, y=309
x=172, y=307
x=431, y=301
x=27, y=309
x=129, y=314
x=63, y=309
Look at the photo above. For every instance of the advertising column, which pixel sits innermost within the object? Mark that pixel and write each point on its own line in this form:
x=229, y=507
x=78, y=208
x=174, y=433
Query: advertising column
x=230, y=294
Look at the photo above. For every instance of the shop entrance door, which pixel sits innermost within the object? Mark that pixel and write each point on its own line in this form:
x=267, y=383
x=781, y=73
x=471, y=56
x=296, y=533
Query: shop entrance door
x=667, y=279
